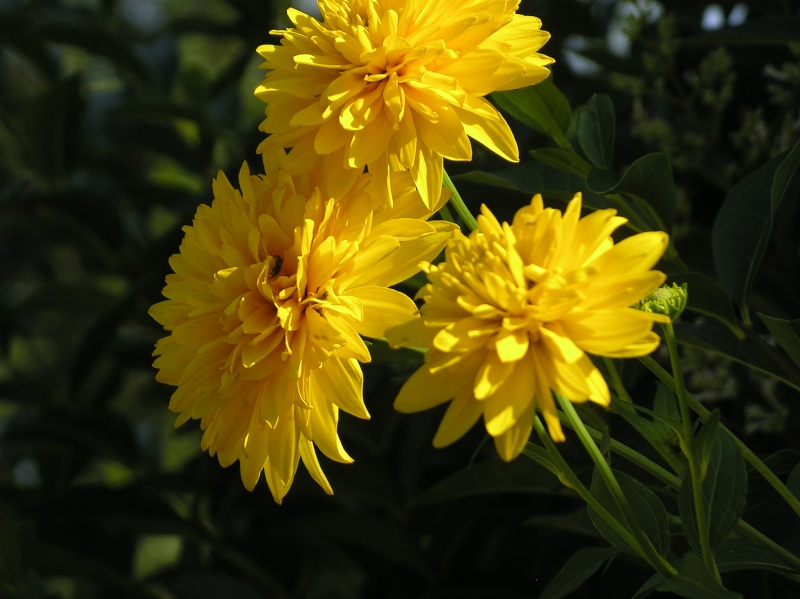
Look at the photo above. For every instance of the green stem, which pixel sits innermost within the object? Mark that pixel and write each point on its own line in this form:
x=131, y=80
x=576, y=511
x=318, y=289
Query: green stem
x=629, y=413
x=688, y=447
x=648, y=551
x=616, y=381
x=446, y=214
x=647, y=465
x=748, y=454
x=458, y=203
x=571, y=480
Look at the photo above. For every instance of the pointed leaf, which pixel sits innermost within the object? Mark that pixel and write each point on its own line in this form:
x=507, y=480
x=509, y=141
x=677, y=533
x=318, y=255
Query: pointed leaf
x=563, y=160
x=787, y=179
x=704, y=441
x=752, y=352
x=723, y=491
x=707, y=297
x=666, y=407
x=578, y=569
x=786, y=333
x=793, y=483
x=648, y=182
x=744, y=554
x=695, y=582
x=744, y=223
x=484, y=178
x=596, y=126
x=491, y=477
x=647, y=512
x=541, y=107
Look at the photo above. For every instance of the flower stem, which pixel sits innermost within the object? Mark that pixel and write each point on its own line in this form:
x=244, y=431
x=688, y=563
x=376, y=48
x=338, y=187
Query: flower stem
x=446, y=214
x=748, y=454
x=645, y=546
x=629, y=413
x=688, y=446
x=458, y=203
x=647, y=465
x=571, y=480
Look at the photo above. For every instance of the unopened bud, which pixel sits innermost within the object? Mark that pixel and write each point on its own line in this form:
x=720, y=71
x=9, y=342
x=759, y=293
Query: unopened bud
x=667, y=300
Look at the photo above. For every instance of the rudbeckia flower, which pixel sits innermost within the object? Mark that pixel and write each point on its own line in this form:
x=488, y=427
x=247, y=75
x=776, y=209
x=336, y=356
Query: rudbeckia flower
x=271, y=291
x=397, y=85
x=511, y=314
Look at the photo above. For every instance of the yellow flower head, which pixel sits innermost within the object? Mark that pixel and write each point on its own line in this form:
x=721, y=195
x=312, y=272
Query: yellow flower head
x=397, y=85
x=271, y=290
x=511, y=313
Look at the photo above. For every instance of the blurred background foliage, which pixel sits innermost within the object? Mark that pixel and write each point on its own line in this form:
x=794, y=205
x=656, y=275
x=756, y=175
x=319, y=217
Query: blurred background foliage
x=114, y=117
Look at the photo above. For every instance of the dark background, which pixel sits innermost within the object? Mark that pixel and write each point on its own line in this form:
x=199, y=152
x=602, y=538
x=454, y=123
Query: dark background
x=114, y=117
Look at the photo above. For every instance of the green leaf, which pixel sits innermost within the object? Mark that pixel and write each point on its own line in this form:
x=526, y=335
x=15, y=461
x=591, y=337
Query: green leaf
x=765, y=31
x=793, y=483
x=485, y=178
x=563, y=160
x=539, y=455
x=596, y=127
x=707, y=297
x=786, y=333
x=744, y=223
x=665, y=405
x=541, y=107
x=492, y=477
x=752, y=352
x=785, y=175
x=578, y=569
x=704, y=441
x=571, y=523
x=695, y=582
x=783, y=461
x=648, y=182
x=744, y=554
x=723, y=491
x=647, y=512
x=530, y=178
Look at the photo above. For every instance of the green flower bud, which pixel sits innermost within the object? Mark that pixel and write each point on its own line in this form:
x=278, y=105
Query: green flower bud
x=668, y=300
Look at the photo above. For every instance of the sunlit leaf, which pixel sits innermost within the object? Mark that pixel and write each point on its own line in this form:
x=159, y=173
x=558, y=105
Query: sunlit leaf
x=541, y=107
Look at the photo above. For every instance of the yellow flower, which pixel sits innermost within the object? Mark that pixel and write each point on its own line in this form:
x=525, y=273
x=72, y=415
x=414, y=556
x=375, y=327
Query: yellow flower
x=271, y=290
x=511, y=313
x=397, y=85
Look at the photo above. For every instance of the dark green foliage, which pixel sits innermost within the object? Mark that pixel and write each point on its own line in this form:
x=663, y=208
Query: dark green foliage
x=114, y=117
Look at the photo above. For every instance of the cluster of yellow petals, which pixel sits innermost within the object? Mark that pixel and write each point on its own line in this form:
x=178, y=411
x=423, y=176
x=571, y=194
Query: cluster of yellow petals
x=512, y=312
x=272, y=289
x=396, y=85
x=276, y=282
